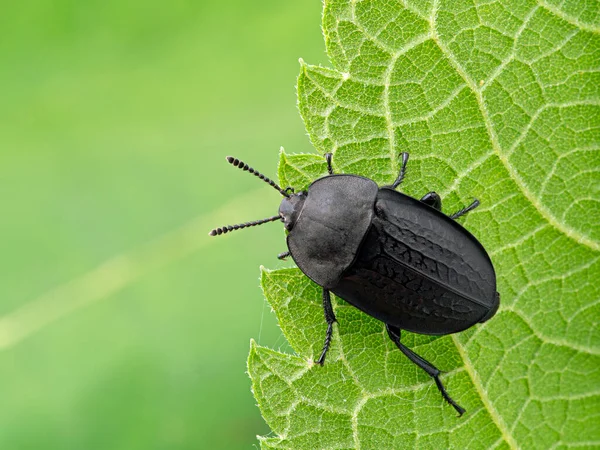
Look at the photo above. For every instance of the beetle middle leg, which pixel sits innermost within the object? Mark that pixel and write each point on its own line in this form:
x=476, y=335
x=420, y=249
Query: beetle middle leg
x=432, y=371
x=330, y=318
x=402, y=171
x=464, y=211
x=433, y=199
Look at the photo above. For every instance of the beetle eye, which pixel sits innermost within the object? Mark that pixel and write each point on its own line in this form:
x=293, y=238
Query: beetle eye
x=289, y=209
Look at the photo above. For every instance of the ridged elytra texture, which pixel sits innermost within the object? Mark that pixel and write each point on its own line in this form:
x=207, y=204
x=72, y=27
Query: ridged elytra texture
x=419, y=270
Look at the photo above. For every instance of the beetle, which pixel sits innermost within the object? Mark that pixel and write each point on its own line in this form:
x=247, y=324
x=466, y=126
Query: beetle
x=396, y=258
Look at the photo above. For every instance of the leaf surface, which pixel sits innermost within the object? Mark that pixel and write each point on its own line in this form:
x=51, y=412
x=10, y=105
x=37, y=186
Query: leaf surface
x=498, y=100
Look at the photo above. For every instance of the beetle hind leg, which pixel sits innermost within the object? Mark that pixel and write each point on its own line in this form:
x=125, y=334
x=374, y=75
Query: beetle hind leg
x=432, y=371
x=433, y=199
x=330, y=319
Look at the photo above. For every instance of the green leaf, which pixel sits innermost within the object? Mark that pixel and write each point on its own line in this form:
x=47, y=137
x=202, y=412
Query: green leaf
x=498, y=100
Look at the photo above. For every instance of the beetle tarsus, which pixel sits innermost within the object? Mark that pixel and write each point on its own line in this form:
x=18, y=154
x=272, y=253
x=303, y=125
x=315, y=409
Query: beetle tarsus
x=402, y=171
x=433, y=199
x=464, y=211
x=432, y=371
x=449, y=399
x=328, y=336
x=283, y=255
x=328, y=157
x=330, y=318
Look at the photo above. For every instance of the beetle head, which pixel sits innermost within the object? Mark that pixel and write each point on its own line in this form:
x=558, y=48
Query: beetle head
x=290, y=208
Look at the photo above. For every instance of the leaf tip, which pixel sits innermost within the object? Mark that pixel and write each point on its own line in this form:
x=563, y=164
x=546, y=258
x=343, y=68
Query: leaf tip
x=252, y=355
x=265, y=272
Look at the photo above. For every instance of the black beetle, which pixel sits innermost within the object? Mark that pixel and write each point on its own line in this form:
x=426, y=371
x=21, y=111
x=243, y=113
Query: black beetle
x=398, y=259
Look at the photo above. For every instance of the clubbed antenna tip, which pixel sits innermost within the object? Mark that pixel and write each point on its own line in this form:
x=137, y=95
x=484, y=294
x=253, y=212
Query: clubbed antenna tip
x=242, y=165
x=228, y=228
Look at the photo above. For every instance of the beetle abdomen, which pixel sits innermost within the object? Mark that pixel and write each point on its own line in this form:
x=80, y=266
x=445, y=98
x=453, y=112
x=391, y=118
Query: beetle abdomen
x=419, y=270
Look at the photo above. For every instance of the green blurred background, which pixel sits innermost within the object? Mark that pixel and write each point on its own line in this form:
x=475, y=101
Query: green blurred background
x=122, y=325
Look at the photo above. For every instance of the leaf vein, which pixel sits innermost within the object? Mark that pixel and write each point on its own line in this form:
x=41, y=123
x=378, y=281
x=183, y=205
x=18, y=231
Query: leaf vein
x=567, y=230
x=567, y=18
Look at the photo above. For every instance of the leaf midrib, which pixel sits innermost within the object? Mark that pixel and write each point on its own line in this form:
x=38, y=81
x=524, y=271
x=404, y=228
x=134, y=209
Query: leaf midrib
x=469, y=366
x=494, y=414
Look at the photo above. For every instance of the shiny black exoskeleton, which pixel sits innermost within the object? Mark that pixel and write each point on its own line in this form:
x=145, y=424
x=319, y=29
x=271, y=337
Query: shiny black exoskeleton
x=398, y=259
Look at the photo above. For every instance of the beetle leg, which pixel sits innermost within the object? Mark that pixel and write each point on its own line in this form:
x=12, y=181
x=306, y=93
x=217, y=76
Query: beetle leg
x=402, y=171
x=328, y=157
x=433, y=199
x=464, y=211
x=432, y=371
x=330, y=318
x=283, y=255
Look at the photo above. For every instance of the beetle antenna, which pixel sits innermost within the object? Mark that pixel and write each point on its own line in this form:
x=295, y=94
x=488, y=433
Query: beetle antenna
x=228, y=228
x=242, y=165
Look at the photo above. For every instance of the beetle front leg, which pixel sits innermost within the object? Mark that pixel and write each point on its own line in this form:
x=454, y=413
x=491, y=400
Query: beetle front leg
x=330, y=318
x=283, y=255
x=432, y=371
x=433, y=199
